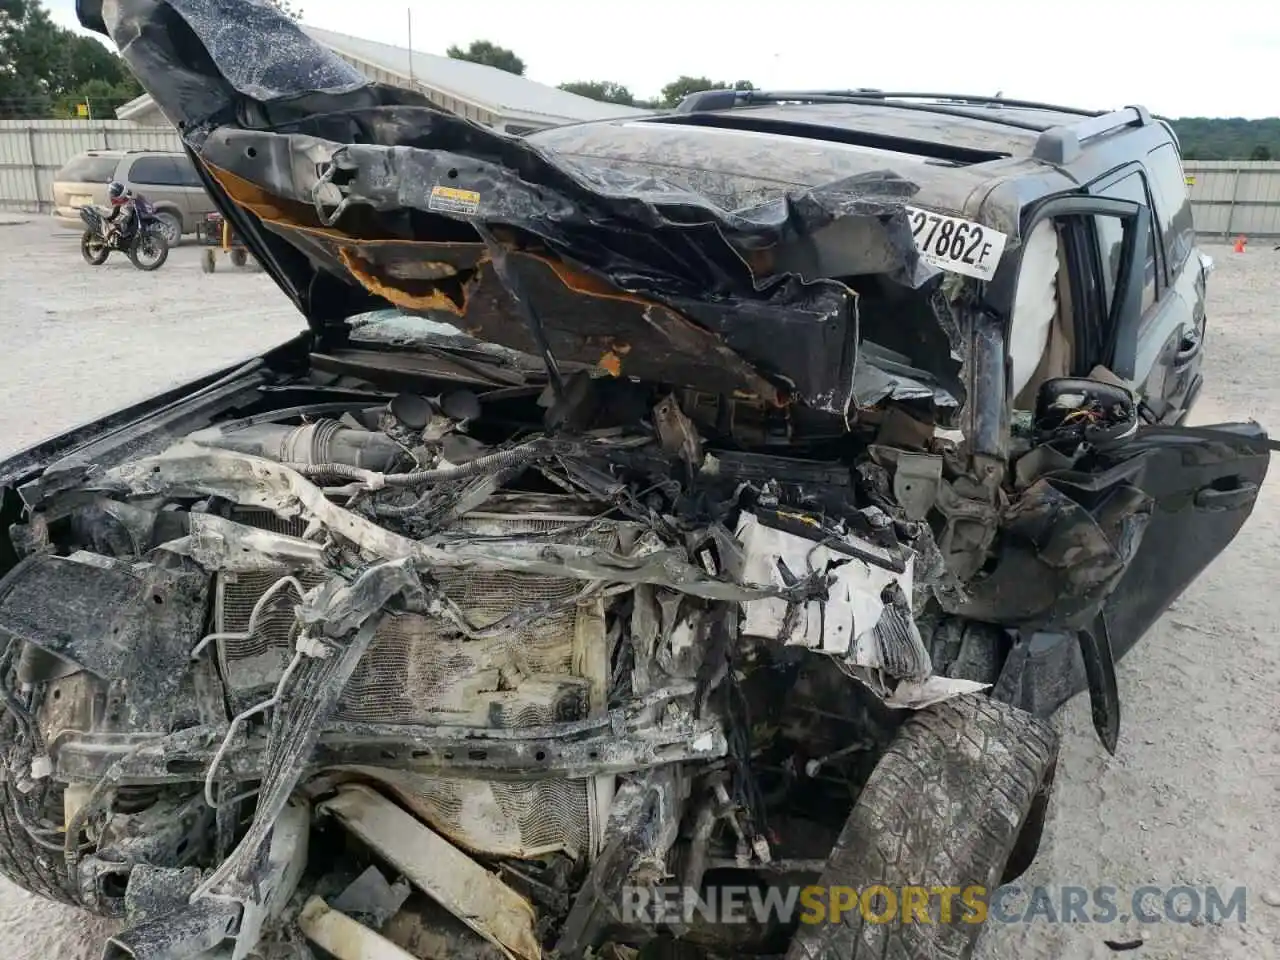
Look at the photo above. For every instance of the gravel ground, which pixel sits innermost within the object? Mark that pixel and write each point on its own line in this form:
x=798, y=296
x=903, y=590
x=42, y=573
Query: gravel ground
x=82, y=341
x=1190, y=798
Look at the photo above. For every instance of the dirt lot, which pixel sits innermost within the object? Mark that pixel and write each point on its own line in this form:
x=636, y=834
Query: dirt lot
x=1190, y=798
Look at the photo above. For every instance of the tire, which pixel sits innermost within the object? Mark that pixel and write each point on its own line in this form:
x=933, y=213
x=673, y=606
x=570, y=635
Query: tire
x=94, y=251
x=170, y=225
x=239, y=257
x=1028, y=843
x=944, y=807
x=209, y=261
x=34, y=868
x=149, y=239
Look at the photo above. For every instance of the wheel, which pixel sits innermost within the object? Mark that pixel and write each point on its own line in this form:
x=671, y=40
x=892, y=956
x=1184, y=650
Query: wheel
x=209, y=261
x=30, y=865
x=1028, y=843
x=149, y=250
x=944, y=807
x=170, y=224
x=94, y=251
x=36, y=868
x=30, y=846
x=239, y=257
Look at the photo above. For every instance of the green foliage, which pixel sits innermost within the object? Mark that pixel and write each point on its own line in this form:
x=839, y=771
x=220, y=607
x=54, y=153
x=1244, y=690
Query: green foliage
x=605, y=91
x=46, y=69
x=1228, y=138
x=681, y=87
x=97, y=99
x=490, y=54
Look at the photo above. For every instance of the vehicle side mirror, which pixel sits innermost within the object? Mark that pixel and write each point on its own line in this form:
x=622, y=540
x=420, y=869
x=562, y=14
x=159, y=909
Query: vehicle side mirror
x=1077, y=410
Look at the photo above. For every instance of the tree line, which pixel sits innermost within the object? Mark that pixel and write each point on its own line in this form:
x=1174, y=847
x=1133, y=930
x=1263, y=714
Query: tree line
x=50, y=71
x=606, y=91
x=1228, y=138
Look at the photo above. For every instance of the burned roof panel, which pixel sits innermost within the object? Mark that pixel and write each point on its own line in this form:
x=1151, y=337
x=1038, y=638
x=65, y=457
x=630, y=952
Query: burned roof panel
x=976, y=134
x=741, y=168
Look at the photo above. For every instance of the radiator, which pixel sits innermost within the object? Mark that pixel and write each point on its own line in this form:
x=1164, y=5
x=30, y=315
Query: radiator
x=422, y=670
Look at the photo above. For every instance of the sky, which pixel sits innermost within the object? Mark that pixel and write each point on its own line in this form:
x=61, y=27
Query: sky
x=1176, y=57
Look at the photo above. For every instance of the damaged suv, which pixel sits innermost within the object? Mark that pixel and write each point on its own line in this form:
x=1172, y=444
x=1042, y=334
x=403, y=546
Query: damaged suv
x=717, y=499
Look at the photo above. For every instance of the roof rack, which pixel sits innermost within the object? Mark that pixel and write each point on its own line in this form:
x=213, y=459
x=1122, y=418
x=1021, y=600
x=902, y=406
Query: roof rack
x=1062, y=144
x=1057, y=143
x=953, y=98
x=713, y=100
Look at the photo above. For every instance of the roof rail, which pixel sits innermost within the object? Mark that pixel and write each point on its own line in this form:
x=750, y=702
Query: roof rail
x=715, y=100
x=1062, y=144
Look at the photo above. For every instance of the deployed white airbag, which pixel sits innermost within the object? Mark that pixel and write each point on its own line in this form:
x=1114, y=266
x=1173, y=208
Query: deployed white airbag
x=1035, y=304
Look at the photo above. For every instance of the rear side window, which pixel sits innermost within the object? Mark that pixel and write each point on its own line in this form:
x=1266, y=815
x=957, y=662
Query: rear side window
x=88, y=169
x=1173, y=206
x=156, y=171
x=187, y=175
x=1111, y=239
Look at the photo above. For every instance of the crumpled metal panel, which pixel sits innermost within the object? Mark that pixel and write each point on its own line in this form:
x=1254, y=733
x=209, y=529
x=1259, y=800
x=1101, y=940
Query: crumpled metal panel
x=637, y=274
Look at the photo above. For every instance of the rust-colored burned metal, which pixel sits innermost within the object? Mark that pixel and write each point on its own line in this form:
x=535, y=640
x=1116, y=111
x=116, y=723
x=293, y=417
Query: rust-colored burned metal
x=626, y=335
x=409, y=293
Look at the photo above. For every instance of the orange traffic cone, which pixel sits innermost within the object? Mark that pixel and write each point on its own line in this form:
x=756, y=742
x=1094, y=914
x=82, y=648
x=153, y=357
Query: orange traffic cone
x=1240, y=242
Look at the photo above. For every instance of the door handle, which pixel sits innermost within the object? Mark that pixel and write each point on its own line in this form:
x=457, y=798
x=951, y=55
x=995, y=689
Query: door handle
x=1212, y=498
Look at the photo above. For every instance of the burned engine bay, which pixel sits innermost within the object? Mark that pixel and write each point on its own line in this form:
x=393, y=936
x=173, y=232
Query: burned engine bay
x=523, y=647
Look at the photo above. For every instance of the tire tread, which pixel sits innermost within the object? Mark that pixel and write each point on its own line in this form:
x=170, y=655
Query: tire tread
x=943, y=807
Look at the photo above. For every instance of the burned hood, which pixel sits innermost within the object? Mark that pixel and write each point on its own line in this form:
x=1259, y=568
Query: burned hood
x=357, y=196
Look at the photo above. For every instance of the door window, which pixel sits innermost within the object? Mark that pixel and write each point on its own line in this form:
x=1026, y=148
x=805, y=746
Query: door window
x=88, y=169
x=155, y=172
x=1110, y=232
x=1173, y=205
x=187, y=173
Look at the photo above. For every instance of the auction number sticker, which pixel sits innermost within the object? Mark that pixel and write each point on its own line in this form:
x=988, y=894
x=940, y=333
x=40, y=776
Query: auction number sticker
x=955, y=244
x=453, y=200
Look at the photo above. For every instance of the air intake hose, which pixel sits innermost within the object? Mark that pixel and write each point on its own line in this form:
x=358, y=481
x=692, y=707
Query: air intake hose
x=325, y=441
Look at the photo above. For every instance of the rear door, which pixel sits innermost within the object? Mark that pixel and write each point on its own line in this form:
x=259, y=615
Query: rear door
x=158, y=178
x=1160, y=353
x=1204, y=481
x=1185, y=277
x=198, y=201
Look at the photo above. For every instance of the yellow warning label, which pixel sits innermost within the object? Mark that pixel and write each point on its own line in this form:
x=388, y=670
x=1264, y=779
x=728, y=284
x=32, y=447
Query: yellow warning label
x=1191, y=181
x=453, y=200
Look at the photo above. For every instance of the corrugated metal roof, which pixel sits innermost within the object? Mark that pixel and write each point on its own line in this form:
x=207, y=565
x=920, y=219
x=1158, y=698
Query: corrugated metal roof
x=136, y=107
x=495, y=89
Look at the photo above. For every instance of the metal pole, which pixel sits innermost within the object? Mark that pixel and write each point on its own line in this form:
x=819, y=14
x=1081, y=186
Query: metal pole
x=35, y=170
x=409, y=15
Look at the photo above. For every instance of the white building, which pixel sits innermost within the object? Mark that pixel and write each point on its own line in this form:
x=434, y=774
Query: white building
x=485, y=94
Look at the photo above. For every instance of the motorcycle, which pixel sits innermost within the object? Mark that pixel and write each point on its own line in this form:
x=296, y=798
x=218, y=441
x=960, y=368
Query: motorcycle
x=145, y=244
